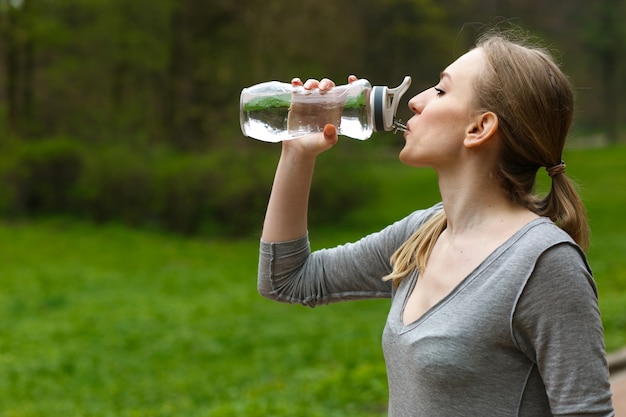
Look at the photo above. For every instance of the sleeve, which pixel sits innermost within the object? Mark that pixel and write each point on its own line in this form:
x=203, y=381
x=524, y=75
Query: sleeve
x=557, y=324
x=290, y=273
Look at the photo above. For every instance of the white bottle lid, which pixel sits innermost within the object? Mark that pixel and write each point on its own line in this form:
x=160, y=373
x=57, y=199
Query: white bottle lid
x=384, y=104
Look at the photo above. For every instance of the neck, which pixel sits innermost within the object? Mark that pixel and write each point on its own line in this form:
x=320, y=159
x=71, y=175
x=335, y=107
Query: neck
x=474, y=203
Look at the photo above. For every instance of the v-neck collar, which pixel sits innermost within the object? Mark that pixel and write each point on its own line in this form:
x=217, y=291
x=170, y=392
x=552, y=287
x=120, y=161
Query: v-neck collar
x=412, y=280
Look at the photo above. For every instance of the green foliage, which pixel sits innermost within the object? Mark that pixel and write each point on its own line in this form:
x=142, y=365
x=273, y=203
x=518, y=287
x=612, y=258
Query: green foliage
x=36, y=176
x=221, y=193
x=171, y=71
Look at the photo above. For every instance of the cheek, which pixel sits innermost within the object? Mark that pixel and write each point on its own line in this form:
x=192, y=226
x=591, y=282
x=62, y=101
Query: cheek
x=437, y=117
x=443, y=125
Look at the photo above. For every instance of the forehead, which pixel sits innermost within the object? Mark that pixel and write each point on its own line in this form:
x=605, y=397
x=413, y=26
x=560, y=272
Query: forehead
x=468, y=65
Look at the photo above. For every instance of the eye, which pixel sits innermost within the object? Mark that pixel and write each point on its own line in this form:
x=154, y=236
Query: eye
x=439, y=91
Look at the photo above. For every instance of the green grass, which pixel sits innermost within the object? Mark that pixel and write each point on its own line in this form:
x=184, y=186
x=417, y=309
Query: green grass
x=107, y=321
x=601, y=175
x=113, y=322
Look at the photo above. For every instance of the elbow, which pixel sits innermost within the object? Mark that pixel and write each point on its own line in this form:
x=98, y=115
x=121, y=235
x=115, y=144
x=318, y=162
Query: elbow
x=266, y=291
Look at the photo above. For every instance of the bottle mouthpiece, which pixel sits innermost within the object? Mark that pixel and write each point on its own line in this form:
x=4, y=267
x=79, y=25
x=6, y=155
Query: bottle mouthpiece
x=398, y=126
x=384, y=104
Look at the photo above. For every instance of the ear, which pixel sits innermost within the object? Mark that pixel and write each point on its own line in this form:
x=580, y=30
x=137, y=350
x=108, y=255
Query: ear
x=483, y=127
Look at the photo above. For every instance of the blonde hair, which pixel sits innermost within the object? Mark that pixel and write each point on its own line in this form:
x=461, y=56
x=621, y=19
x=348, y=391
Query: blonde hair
x=534, y=102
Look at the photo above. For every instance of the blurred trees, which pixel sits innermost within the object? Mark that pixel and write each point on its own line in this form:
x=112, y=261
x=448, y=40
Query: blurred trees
x=171, y=70
x=604, y=37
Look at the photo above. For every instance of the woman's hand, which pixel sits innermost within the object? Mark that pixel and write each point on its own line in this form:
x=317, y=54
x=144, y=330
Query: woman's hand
x=316, y=143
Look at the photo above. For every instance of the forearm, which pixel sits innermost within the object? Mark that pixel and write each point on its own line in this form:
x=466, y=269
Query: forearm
x=286, y=216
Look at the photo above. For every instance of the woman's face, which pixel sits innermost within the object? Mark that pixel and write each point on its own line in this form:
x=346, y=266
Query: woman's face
x=442, y=115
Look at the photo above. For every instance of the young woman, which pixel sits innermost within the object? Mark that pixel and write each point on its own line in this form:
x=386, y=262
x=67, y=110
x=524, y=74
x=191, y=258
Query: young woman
x=494, y=309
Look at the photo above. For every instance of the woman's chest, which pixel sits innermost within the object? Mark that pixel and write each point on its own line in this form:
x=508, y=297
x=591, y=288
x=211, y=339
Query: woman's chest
x=464, y=334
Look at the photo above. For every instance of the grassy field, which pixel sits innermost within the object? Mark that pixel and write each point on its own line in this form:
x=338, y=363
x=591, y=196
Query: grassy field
x=107, y=321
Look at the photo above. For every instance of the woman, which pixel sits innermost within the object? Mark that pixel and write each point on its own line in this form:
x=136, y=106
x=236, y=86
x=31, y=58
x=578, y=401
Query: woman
x=494, y=309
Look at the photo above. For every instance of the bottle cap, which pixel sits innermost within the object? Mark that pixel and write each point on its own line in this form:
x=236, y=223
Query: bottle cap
x=384, y=104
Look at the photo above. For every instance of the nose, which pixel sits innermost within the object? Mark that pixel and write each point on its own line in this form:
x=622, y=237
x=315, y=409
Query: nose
x=417, y=103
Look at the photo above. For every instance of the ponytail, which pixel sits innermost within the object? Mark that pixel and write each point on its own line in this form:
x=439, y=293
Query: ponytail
x=564, y=207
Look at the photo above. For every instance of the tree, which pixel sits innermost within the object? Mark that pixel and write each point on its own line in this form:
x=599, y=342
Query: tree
x=171, y=71
x=605, y=37
x=17, y=55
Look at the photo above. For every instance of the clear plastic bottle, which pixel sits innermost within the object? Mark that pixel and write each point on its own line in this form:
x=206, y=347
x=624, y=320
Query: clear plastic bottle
x=275, y=111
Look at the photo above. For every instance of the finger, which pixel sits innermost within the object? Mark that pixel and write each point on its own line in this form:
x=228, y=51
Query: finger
x=311, y=83
x=330, y=134
x=326, y=84
x=352, y=78
x=296, y=82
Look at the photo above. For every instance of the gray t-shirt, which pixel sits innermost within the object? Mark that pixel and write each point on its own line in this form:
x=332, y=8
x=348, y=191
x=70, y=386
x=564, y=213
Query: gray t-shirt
x=520, y=336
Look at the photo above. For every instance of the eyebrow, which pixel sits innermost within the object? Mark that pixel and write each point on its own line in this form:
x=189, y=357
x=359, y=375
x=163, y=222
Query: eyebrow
x=445, y=74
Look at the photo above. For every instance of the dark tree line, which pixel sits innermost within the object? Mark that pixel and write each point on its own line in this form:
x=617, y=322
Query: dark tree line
x=170, y=71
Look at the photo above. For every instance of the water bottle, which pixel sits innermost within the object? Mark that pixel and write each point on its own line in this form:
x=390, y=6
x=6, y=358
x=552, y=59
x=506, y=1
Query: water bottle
x=275, y=111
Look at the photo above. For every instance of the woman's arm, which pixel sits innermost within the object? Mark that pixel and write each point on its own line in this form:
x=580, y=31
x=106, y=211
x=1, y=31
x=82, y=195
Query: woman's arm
x=286, y=216
x=558, y=324
x=287, y=272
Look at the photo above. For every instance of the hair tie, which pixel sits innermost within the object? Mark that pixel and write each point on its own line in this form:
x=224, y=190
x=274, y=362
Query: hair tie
x=557, y=169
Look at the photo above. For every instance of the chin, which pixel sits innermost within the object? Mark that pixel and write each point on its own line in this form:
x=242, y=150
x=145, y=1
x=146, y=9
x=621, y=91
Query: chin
x=411, y=160
x=406, y=156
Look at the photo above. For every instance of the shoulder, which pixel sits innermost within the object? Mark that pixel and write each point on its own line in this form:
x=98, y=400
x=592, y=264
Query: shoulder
x=555, y=261
x=543, y=231
x=543, y=238
x=542, y=254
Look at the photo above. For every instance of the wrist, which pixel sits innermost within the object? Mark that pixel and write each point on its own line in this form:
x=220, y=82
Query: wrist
x=295, y=152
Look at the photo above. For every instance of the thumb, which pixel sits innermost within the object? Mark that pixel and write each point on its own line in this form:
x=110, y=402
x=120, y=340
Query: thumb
x=330, y=134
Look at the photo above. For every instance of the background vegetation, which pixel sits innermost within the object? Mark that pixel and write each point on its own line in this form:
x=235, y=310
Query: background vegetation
x=152, y=71
x=113, y=110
